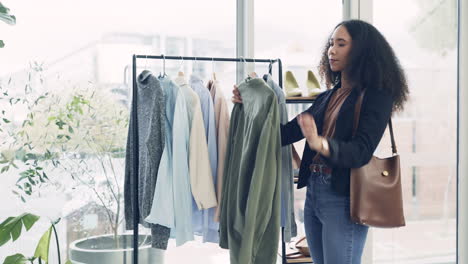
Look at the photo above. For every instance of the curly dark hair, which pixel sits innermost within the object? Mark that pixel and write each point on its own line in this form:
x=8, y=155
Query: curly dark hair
x=372, y=64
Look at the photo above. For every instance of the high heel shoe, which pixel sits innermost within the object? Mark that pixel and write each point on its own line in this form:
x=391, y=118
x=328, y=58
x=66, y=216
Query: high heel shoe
x=312, y=84
x=290, y=85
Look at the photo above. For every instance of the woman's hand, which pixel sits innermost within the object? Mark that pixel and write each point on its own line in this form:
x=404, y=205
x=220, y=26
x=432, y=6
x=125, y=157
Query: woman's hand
x=236, y=97
x=309, y=130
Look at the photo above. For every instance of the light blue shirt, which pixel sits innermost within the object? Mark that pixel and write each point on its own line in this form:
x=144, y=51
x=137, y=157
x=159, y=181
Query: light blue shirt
x=172, y=199
x=287, y=184
x=203, y=221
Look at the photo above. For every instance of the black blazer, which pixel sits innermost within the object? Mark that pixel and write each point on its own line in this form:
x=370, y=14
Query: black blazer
x=346, y=152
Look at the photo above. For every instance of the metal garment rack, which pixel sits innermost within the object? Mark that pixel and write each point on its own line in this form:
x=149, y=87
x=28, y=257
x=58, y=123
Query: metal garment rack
x=136, y=212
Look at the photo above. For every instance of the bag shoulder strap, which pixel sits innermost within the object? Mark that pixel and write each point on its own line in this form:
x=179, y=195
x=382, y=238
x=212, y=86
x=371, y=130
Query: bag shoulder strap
x=357, y=113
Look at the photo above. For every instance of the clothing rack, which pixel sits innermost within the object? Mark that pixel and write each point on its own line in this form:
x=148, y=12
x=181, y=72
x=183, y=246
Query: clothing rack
x=135, y=130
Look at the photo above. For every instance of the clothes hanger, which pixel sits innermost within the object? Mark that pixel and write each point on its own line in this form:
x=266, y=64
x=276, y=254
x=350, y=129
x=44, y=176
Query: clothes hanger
x=212, y=81
x=270, y=67
x=253, y=74
x=193, y=66
x=267, y=75
x=181, y=73
x=140, y=75
x=163, y=73
x=213, y=69
x=244, y=64
x=146, y=63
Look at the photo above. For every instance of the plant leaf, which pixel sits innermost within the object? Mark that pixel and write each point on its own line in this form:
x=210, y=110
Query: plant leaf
x=4, y=169
x=15, y=259
x=12, y=226
x=42, y=249
x=29, y=221
x=68, y=262
x=4, y=237
x=2, y=44
x=5, y=15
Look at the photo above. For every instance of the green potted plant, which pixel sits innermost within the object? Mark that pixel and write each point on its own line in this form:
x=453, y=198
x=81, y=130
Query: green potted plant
x=79, y=133
x=100, y=173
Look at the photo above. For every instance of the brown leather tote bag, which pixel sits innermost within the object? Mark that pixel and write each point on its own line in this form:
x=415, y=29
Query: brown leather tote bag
x=375, y=195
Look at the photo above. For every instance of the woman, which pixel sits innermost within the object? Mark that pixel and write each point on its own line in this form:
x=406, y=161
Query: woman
x=356, y=59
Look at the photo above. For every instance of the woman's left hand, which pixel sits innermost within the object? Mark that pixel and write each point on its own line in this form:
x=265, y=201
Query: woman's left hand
x=309, y=130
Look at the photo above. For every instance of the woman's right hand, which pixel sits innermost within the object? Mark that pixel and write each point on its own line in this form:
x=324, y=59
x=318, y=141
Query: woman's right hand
x=236, y=97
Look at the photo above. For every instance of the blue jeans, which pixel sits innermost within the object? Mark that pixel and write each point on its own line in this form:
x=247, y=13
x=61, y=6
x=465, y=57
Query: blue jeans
x=331, y=235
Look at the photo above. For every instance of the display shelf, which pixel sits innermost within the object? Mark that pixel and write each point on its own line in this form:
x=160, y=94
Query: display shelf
x=302, y=260
x=300, y=100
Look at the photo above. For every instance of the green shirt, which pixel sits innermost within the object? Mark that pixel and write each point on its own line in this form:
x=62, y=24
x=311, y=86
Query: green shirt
x=250, y=205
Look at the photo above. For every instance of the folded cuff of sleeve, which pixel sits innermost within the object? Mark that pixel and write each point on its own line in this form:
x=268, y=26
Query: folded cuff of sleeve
x=334, y=150
x=203, y=205
x=160, y=236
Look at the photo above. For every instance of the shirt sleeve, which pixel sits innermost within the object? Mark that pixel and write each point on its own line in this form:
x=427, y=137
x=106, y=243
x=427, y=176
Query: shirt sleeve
x=201, y=178
x=375, y=113
x=223, y=131
x=212, y=146
x=180, y=166
x=291, y=132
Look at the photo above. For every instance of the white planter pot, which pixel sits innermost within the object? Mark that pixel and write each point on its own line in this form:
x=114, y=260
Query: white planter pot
x=102, y=250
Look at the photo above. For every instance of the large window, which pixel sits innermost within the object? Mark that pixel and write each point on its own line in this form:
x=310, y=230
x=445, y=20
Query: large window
x=65, y=83
x=296, y=35
x=296, y=32
x=79, y=53
x=424, y=38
